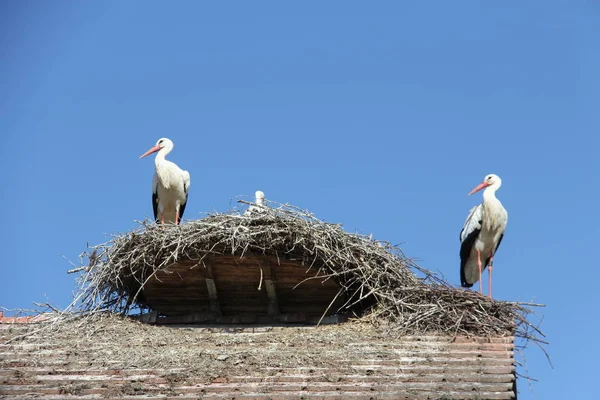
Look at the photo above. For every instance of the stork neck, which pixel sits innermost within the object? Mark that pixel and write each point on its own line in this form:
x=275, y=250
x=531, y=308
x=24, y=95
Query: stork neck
x=162, y=168
x=161, y=155
x=489, y=194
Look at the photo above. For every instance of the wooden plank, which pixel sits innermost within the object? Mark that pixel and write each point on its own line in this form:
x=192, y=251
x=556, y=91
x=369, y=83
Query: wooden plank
x=270, y=287
x=231, y=309
x=150, y=317
x=329, y=320
x=228, y=285
x=213, y=300
x=246, y=318
x=273, y=306
x=191, y=318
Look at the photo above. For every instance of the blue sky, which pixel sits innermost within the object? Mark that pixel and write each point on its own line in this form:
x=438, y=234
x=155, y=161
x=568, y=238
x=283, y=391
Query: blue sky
x=381, y=117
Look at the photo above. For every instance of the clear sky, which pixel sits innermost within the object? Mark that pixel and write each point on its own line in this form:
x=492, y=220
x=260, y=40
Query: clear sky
x=378, y=115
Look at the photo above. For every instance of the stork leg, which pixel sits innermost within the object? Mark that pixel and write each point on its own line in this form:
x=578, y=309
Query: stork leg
x=162, y=219
x=177, y=217
x=490, y=275
x=479, y=265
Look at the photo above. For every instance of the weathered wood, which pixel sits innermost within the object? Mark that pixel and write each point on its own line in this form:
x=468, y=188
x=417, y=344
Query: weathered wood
x=270, y=287
x=241, y=318
x=213, y=299
x=230, y=286
x=329, y=320
x=273, y=307
x=150, y=317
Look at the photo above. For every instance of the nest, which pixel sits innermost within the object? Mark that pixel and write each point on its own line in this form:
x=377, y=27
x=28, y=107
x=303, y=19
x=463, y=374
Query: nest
x=400, y=295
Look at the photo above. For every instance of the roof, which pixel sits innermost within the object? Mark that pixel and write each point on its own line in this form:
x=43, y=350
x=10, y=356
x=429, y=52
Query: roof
x=23, y=319
x=276, y=264
x=245, y=282
x=113, y=357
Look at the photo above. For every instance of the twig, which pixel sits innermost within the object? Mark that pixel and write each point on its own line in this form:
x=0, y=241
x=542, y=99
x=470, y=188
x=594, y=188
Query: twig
x=377, y=278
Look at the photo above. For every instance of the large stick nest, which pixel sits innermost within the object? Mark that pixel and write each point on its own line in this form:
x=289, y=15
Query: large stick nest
x=410, y=299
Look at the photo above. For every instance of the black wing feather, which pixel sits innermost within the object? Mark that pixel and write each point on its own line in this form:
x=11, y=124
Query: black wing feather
x=471, y=229
x=155, y=204
x=182, y=206
x=465, y=251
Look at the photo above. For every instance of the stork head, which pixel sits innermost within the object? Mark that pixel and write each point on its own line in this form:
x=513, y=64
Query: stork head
x=490, y=180
x=260, y=197
x=162, y=143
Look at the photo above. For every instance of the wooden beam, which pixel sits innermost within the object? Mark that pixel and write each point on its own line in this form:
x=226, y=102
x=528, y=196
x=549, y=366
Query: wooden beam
x=213, y=299
x=329, y=320
x=271, y=287
x=149, y=318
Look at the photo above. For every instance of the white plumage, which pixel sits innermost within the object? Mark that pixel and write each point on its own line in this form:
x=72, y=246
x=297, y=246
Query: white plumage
x=481, y=234
x=260, y=207
x=170, y=185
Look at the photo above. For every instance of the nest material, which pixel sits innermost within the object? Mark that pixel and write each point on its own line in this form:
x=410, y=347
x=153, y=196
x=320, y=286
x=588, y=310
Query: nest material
x=412, y=299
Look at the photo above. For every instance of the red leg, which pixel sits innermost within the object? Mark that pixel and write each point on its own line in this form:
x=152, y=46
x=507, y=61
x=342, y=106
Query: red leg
x=177, y=217
x=162, y=219
x=490, y=275
x=479, y=265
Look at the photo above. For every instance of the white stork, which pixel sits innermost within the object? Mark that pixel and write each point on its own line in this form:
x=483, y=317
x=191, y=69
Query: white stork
x=170, y=185
x=481, y=234
x=259, y=201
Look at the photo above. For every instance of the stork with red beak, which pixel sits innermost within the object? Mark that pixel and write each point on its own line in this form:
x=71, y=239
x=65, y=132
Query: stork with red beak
x=170, y=185
x=481, y=234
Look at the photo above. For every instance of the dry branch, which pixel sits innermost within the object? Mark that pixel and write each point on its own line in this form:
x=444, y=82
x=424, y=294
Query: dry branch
x=413, y=300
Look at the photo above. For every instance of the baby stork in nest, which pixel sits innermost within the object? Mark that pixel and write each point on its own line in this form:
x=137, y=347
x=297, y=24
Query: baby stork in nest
x=260, y=206
x=170, y=185
x=481, y=234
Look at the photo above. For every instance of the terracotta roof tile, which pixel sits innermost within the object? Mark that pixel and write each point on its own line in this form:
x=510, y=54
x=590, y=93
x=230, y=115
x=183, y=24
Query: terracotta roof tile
x=22, y=320
x=367, y=367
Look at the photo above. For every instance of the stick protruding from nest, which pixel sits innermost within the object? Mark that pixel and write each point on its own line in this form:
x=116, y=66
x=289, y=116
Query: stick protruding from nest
x=412, y=298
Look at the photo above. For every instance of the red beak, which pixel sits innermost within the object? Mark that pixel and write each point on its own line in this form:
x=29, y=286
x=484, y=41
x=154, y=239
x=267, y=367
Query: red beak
x=479, y=187
x=152, y=150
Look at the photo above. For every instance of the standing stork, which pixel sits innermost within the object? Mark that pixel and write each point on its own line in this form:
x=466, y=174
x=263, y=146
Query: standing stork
x=481, y=234
x=170, y=185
